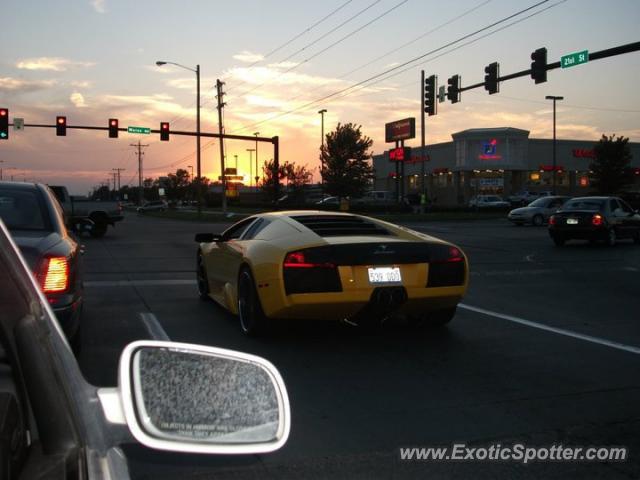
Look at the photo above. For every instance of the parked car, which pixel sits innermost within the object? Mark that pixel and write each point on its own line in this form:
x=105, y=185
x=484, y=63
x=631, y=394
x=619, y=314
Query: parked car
x=376, y=197
x=488, y=201
x=78, y=210
x=154, y=206
x=329, y=266
x=35, y=219
x=170, y=396
x=595, y=219
x=524, y=197
x=329, y=201
x=537, y=212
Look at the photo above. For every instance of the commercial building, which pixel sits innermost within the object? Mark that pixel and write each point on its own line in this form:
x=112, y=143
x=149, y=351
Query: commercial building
x=501, y=161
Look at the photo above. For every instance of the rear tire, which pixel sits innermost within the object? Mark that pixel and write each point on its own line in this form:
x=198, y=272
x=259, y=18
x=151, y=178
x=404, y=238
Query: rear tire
x=611, y=237
x=201, y=278
x=636, y=239
x=98, y=230
x=538, y=220
x=559, y=241
x=250, y=313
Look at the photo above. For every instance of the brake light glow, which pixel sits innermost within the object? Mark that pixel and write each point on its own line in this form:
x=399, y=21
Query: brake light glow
x=552, y=220
x=298, y=260
x=55, y=276
x=455, y=255
x=597, y=220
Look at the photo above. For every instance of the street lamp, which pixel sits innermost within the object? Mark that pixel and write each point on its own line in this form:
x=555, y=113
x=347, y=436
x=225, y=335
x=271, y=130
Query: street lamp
x=554, y=98
x=197, y=72
x=251, y=150
x=257, y=174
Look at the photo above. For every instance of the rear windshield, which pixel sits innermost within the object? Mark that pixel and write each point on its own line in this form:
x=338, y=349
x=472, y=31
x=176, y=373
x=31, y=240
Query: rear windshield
x=590, y=204
x=23, y=210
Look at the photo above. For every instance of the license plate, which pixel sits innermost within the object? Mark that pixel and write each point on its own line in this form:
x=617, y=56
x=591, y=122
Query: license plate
x=384, y=275
x=572, y=221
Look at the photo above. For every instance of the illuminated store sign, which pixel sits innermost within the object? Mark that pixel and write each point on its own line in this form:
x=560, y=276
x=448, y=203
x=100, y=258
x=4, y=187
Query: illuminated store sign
x=489, y=150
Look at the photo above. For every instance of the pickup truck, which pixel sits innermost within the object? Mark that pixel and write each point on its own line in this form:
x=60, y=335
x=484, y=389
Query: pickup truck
x=93, y=216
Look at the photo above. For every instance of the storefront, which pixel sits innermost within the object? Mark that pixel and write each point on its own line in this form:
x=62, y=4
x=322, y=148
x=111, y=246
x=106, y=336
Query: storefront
x=502, y=161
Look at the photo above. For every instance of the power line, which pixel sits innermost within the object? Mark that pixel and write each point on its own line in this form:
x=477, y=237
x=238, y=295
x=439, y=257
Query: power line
x=294, y=38
x=342, y=39
x=420, y=37
x=393, y=69
x=458, y=47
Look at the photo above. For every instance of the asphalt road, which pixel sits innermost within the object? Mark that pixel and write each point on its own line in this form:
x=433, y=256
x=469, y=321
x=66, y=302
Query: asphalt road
x=544, y=350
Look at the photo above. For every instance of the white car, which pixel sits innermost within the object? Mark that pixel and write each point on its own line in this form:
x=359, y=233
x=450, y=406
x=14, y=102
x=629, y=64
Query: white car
x=488, y=201
x=157, y=205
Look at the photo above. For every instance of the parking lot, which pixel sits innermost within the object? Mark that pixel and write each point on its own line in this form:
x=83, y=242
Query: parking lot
x=544, y=349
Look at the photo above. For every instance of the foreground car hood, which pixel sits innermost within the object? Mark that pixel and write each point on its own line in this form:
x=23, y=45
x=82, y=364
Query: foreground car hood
x=33, y=244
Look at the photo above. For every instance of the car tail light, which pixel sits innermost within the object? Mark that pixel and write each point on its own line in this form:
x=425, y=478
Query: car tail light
x=597, y=220
x=552, y=220
x=447, y=266
x=299, y=260
x=308, y=272
x=54, y=277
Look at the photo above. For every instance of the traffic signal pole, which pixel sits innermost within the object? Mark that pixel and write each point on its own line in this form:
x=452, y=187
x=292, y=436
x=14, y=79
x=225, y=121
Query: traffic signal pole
x=423, y=180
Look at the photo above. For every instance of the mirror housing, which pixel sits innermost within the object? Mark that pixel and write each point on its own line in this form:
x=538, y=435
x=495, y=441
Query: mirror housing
x=208, y=237
x=197, y=399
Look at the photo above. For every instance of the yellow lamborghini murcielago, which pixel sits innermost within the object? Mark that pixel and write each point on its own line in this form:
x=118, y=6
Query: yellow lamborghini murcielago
x=329, y=266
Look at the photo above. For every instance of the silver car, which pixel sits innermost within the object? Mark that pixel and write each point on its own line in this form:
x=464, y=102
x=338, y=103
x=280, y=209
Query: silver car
x=537, y=212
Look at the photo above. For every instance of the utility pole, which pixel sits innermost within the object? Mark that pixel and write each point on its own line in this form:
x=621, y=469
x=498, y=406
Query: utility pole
x=2, y=161
x=118, y=170
x=221, y=105
x=115, y=177
x=257, y=174
x=322, y=112
x=139, y=146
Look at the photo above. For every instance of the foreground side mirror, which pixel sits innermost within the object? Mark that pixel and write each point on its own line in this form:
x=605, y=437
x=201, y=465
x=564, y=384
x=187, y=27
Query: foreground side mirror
x=208, y=237
x=192, y=398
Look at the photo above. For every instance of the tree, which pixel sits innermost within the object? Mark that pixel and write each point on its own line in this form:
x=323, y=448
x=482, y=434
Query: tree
x=269, y=177
x=297, y=177
x=611, y=170
x=346, y=170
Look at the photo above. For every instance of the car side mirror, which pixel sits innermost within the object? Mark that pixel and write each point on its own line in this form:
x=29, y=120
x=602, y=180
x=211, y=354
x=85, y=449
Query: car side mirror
x=208, y=237
x=192, y=398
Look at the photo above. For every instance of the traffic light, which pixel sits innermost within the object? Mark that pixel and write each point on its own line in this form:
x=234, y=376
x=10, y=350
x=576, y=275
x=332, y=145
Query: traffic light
x=430, y=87
x=539, y=65
x=113, y=128
x=61, y=126
x=164, y=131
x=4, y=124
x=453, y=90
x=492, y=72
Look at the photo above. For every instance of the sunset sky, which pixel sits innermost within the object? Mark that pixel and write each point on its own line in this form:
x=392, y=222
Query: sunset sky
x=92, y=60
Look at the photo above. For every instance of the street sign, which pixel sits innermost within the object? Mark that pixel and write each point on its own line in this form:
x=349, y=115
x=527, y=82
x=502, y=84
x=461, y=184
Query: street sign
x=18, y=124
x=574, y=59
x=142, y=130
x=442, y=92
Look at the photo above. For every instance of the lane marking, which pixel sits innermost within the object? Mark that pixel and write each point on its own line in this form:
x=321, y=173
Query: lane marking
x=559, y=331
x=137, y=283
x=153, y=327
